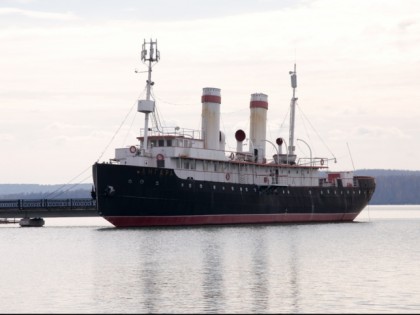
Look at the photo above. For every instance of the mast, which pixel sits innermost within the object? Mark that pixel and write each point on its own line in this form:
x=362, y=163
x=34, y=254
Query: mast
x=149, y=54
x=291, y=150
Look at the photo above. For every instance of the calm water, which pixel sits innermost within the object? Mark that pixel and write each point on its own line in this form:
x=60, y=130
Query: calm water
x=84, y=265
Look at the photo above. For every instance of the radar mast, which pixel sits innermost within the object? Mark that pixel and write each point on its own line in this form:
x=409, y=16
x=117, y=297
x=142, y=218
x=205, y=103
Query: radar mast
x=291, y=149
x=149, y=55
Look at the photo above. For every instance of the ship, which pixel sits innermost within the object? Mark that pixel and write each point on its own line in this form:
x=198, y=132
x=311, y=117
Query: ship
x=173, y=176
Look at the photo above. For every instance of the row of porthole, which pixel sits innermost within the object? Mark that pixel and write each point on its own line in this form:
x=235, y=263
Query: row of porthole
x=246, y=188
x=335, y=192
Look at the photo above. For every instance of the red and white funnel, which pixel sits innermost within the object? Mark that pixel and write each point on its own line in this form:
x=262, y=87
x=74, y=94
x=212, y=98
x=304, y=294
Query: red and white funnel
x=258, y=121
x=210, y=117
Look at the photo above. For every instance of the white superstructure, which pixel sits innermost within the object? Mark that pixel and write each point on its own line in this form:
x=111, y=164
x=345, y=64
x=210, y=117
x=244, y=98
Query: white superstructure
x=201, y=154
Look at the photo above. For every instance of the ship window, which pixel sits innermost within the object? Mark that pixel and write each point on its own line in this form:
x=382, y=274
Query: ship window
x=169, y=143
x=157, y=183
x=310, y=192
x=192, y=164
x=189, y=185
x=223, y=187
x=186, y=164
x=152, y=143
x=233, y=188
x=130, y=181
x=141, y=181
x=205, y=165
x=214, y=186
x=161, y=143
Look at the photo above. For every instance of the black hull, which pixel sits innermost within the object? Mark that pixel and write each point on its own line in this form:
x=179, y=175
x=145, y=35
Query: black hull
x=133, y=196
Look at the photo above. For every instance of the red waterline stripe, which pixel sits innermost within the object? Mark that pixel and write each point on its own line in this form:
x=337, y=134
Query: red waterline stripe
x=139, y=221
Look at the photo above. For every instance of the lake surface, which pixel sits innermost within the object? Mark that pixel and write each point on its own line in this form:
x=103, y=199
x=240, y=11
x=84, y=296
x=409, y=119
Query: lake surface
x=84, y=265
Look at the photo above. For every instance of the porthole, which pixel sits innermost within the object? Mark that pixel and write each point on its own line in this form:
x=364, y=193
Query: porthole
x=130, y=181
x=141, y=181
x=157, y=183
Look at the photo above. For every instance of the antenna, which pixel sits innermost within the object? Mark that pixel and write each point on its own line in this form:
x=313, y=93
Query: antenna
x=149, y=55
x=293, y=77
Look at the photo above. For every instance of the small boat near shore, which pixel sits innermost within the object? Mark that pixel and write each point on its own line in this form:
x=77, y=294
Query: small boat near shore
x=31, y=222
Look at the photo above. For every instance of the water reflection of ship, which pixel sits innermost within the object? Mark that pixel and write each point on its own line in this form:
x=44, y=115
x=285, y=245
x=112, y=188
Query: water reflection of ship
x=294, y=267
x=252, y=273
x=213, y=269
x=251, y=269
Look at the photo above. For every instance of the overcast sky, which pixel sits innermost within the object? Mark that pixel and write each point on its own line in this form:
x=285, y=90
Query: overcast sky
x=68, y=87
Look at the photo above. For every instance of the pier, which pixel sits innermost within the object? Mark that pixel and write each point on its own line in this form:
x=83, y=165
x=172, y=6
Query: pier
x=48, y=208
